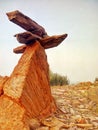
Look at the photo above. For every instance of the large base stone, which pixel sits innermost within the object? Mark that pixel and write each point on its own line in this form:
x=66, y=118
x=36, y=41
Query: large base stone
x=26, y=93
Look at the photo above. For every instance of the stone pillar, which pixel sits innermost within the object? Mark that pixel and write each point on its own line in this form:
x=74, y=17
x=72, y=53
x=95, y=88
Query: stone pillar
x=27, y=92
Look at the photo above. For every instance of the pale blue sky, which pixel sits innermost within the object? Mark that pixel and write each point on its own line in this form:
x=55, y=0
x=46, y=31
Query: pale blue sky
x=77, y=56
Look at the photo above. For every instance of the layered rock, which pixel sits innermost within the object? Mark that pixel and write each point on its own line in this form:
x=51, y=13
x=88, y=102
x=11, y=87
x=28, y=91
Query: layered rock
x=26, y=93
x=33, y=32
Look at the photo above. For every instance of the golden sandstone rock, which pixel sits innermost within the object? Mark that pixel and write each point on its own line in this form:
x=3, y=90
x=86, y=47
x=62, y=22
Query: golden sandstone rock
x=2, y=82
x=11, y=114
x=27, y=92
x=29, y=82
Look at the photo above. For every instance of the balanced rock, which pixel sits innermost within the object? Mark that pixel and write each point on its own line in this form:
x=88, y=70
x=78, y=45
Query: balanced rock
x=26, y=23
x=46, y=43
x=26, y=94
x=27, y=37
x=19, y=49
x=34, y=32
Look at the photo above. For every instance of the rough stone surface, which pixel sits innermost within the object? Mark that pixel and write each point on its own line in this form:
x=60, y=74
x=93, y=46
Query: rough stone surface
x=29, y=83
x=2, y=82
x=26, y=23
x=11, y=115
x=29, y=38
x=26, y=37
x=19, y=49
x=26, y=94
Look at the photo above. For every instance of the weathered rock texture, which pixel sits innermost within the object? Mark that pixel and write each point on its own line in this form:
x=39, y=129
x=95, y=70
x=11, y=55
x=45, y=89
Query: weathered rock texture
x=26, y=23
x=11, y=115
x=27, y=93
x=2, y=82
x=34, y=32
x=47, y=42
x=29, y=82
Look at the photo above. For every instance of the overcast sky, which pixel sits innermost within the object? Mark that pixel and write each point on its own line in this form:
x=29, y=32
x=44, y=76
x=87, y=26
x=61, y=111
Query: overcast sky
x=77, y=56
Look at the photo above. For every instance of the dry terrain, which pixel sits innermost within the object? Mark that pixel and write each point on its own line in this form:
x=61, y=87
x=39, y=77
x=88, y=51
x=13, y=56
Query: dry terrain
x=80, y=105
x=77, y=108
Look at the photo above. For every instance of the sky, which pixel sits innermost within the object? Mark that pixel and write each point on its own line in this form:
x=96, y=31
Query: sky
x=77, y=56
